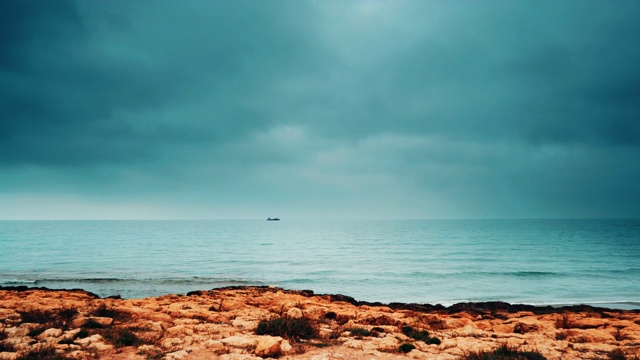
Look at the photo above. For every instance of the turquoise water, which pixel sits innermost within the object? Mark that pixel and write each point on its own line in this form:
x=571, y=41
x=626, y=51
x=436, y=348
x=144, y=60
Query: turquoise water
x=425, y=261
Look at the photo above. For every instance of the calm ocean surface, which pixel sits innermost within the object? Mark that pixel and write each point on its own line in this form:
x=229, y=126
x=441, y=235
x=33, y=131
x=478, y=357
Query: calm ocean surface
x=426, y=261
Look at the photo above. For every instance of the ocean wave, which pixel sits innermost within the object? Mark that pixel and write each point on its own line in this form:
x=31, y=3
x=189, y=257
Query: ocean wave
x=195, y=280
x=16, y=281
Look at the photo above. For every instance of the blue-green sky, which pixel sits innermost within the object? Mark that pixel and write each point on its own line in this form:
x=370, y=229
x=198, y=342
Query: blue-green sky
x=330, y=109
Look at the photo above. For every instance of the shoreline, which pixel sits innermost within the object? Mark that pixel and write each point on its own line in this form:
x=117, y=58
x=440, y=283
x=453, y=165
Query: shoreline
x=226, y=323
x=456, y=307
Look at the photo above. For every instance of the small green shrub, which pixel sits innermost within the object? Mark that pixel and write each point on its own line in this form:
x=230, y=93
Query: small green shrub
x=67, y=314
x=92, y=324
x=59, y=319
x=505, y=353
x=36, y=316
x=618, y=354
x=330, y=315
x=357, y=331
x=110, y=312
x=414, y=334
x=83, y=333
x=405, y=348
x=434, y=341
x=291, y=328
x=126, y=338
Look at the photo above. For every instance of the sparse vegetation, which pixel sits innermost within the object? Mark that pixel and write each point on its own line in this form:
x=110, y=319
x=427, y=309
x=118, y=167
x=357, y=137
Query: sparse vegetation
x=505, y=352
x=420, y=335
x=618, y=354
x=295, y=329
x=110, y=312
x=358, y=331
x=92, y=324
x=122, y=337
x=405, y=348
x=564, y=322
x=57, y=319
x=36, y=316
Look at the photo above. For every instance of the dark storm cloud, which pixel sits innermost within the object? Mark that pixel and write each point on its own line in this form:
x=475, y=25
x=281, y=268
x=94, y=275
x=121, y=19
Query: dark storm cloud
x=76, y=89
x=373, y=108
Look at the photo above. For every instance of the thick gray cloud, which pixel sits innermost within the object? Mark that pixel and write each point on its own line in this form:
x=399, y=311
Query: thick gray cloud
x=333, y=109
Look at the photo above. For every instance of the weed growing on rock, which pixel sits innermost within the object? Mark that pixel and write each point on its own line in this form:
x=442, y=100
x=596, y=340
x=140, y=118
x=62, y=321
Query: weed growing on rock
x=357, y=331
x=505, y=352
x=110, y=312
x=618, y=354
x=564, y=322
x=92, y=324
x=36, y=316
x=59, y=319
x=422, y=335
x=295, y=329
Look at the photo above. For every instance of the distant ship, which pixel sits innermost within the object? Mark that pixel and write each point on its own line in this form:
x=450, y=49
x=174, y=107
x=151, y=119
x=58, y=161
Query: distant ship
x=273, y=219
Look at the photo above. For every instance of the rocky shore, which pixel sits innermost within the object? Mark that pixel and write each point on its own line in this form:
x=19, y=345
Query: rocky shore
x=265, y=322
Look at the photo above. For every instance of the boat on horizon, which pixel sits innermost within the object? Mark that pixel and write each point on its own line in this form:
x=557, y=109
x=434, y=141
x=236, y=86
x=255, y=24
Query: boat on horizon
x=273, y=219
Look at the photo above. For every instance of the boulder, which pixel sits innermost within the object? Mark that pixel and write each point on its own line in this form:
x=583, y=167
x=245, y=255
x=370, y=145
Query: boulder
x=268, y=346
x=294, y=313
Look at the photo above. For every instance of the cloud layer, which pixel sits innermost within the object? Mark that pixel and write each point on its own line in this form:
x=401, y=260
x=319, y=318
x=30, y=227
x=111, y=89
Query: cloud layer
x=403, y=109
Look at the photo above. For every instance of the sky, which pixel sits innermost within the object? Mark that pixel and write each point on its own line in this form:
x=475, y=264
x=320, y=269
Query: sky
x=319, y=109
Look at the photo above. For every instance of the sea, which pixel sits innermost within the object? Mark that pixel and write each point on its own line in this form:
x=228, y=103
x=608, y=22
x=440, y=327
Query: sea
x=539, y=262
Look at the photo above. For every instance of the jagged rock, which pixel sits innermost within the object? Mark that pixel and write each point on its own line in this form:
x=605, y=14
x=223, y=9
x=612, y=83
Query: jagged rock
x=104, y=321
x=285, y=347
x=100, y=346
x=171, y=342
x=268, y=346
x=244, y=323
x=214, y=345
x=8, y=355
x=50, y=333
x=239, y=342
x=388, y=343
x=89, y=340
x=176, y=355
x=295, y=313
x=191, y=326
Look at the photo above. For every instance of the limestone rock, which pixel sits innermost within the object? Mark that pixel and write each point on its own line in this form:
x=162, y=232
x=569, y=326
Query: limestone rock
x=239, y=342
x=388, y=343
x=285, y=347
x=104, y=321
x=8, y=355
x=295, y=313
x=50, y=333
x=268, y=346
x=177, y=355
